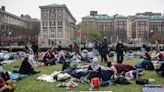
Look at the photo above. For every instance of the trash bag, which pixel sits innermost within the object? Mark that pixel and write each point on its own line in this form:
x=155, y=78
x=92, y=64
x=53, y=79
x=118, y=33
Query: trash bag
x=115, y=57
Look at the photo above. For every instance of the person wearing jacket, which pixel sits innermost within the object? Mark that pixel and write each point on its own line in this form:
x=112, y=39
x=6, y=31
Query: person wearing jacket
x=120, y=52
x=104, y=50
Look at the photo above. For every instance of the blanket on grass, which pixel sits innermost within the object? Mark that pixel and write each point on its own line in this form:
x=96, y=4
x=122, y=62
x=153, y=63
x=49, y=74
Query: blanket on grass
x=152, y=88
x=56, y=75
x=17, y=76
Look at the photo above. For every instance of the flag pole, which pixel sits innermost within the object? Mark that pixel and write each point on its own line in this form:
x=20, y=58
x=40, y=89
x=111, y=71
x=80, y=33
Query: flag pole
x=80, y=42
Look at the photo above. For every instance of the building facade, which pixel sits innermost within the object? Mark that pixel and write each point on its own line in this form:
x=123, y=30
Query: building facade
x=15, y=30
x=138, y=28
x=57, y=25
x=112, y=27
x=144, y=25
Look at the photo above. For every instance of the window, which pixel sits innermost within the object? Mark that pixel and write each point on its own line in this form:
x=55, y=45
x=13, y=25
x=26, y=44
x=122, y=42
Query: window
x=52, y=30
x=60, y=13
x=50, y=23
x=45, y=23
x=44, y=28
x=60, y=23
x=54, y=23
x=52, y=35
x=60, y=32
x=44, y=34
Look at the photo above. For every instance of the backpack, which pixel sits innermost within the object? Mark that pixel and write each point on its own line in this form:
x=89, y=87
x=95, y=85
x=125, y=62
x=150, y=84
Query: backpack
x=142, y=81
x=149, y=66
x=161, y=70
x=122, y=80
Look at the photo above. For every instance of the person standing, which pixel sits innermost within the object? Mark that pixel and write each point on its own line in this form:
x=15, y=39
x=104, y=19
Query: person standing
x=104, y=50
x=100, y=50
x=120, y=52
x=35, y=48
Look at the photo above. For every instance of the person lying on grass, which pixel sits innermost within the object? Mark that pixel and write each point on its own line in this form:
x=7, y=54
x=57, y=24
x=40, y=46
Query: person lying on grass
x=119, y=68
x=95, y=70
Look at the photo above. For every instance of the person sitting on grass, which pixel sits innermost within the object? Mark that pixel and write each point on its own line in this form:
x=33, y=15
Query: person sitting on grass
x=160, y=57
x=3, y=74
x=146, y=62
x=159, y=66
x=67, y=61
x=27, y=65
x=40, y=56
x=47, y=59
x=5, y=84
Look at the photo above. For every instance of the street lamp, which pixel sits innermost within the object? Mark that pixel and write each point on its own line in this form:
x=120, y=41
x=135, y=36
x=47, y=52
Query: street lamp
x=150, y=35
x=10, y=41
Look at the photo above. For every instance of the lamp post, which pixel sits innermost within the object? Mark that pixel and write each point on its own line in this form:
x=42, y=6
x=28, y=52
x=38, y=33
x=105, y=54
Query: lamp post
x=10, y=42
x=150, y=35
x=104, y=31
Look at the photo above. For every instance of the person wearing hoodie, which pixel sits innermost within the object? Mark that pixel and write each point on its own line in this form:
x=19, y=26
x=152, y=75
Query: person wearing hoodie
x=120, y=52
x=104, y=50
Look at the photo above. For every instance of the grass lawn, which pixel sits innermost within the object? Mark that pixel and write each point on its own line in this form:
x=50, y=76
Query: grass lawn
x=30, y=84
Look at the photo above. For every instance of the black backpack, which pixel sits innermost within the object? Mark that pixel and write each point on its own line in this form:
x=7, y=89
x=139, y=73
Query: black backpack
x=122, y=80
x=161, y=70
x=142, y=81
x=149, y=66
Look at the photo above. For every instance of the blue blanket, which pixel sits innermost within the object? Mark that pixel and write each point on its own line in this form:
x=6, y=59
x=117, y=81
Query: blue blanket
x=17, y=76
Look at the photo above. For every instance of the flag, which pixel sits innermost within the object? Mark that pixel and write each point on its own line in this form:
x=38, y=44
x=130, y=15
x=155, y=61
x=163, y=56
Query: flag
x=78, y=34
x=78, y=37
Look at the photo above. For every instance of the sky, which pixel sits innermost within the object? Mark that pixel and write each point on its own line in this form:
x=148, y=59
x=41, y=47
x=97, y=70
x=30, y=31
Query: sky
x=81, y=8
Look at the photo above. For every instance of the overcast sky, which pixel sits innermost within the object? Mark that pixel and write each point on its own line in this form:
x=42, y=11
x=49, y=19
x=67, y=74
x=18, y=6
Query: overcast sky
x=80, y=8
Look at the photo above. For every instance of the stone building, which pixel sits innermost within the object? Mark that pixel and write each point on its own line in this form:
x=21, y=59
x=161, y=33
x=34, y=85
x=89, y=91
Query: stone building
x=16, y=30
x=112, y=27
x=57, y=25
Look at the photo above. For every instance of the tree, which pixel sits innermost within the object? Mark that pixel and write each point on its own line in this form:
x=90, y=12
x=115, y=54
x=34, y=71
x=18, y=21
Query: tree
x=94, y=36
x=156, y=36
x=90, y=32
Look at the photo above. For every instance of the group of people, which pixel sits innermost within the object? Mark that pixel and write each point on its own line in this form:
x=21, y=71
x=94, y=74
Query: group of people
x=104, y=50
x=150, y=63
x=34, y=57
x=5, y=83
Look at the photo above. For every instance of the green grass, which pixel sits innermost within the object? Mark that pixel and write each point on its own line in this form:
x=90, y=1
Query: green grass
x=30, y=84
